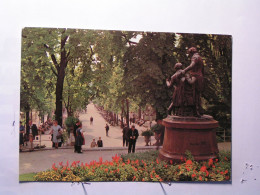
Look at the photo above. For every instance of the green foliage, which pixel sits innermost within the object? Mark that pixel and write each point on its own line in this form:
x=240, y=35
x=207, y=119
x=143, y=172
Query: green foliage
x=48, y=57
x=224, y=156
x=189, y=155
x=36, y=77
x=147, y=156
x=70, y=121
x=65, y=136
x=147, y=133
x=112, y=67
x=147, y=65
x=157, y=128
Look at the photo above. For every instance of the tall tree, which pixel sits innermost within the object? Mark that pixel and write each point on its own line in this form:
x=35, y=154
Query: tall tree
x=36, y=80
x=56, y=48
x=147, y=65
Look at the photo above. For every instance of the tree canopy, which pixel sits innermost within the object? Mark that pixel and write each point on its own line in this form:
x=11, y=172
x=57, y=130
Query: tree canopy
x=70, y=67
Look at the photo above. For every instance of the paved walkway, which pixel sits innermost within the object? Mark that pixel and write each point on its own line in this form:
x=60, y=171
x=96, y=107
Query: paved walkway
x=97, y=129
x=42, y=160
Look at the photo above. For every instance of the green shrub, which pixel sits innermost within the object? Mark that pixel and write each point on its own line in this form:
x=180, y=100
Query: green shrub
x=147, y=156
x=65, y=136
x=70, y=121
x=189, y=155
x=157, y=128
x=147, y=133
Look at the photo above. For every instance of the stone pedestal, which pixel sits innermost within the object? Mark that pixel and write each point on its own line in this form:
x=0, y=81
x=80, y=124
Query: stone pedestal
x=198, y=135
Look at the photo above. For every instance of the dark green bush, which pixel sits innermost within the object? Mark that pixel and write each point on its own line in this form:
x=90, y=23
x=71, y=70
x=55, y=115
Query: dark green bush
x=70, y=121
x=157, y=128
x=148, y=156
x=147, y=133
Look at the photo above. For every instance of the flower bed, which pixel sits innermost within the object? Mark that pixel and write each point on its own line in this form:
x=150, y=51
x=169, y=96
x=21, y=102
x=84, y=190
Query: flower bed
x=139, y=170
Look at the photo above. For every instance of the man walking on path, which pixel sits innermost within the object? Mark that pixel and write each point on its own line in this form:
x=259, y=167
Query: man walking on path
x=91, y=120
x=132, y=135
x=107, y=129
x=125, y=135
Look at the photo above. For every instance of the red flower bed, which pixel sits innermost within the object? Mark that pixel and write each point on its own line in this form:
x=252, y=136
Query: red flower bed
x=137, y=170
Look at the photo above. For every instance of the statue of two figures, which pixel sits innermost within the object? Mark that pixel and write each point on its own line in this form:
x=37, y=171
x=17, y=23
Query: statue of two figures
x=188, y=85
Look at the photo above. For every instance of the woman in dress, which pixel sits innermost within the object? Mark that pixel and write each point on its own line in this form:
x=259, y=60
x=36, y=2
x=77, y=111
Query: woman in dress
x=56, y=131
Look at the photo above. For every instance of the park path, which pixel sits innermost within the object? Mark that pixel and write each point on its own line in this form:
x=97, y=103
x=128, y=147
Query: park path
x=32, y=162
x=97, y=129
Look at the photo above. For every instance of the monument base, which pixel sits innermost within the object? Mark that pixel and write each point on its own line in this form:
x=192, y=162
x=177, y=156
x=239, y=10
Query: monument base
x=197, y=135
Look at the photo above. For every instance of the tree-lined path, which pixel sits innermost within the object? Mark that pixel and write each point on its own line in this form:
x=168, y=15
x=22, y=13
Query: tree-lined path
x=97, y=129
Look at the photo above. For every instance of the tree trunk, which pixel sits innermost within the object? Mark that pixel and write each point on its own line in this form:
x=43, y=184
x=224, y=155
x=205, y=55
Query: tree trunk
x=60, y=80
x=59, y=90
x=139, y=113
x=27, y=119
x=127, y=113
x=122, y=118
x=114, y=118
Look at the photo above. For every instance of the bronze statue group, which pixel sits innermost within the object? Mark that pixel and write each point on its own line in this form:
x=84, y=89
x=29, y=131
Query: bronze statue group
x=188, y=85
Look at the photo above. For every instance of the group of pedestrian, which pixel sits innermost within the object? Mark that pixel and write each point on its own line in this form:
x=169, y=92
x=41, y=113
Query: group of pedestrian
x=27, y=134
x=99, y=143
x=130, y=137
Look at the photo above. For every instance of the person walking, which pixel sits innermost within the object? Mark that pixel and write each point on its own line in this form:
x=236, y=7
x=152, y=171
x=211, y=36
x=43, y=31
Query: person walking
x=107, y=129
x=57, y=134
x=79, y=138
x=91, y=120
x=125, y=135
x=132, y=136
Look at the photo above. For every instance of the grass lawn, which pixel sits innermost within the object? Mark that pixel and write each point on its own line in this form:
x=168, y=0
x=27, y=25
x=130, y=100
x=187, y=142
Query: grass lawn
x=27, y=177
